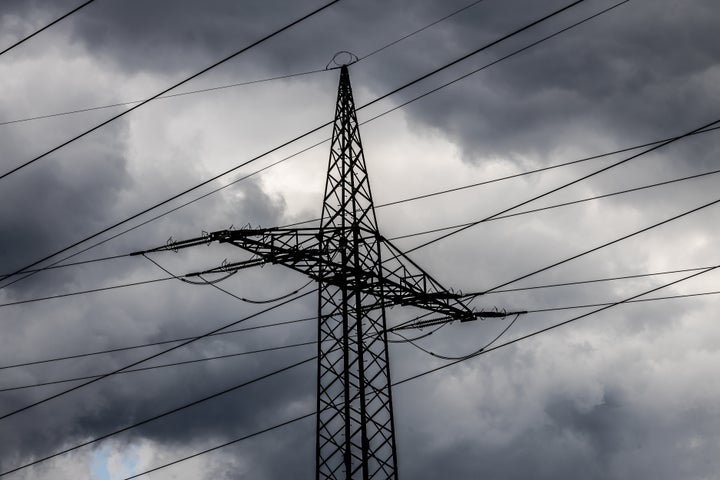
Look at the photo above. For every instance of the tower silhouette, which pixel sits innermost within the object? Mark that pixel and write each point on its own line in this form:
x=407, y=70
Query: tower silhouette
x=360, y=274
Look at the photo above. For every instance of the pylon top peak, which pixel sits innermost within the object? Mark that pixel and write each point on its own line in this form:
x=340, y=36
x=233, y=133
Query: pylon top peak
x=341, y=59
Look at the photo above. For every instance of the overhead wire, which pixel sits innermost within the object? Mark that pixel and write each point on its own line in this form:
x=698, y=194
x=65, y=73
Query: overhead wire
x=164, y=365
x=563, y=204
x=84, y=292
x=162, y=97
x=240, y=84
x=639, y=300
x=601, y=246
x=218, y=447
x=37, y=32
x=160, y=415
x=213, y=283
x=391, y=341
x=166, y=90
x=595, y=280
x=412, y=341
x=392, y=92
x=422, y=29
x=58, y=264
x=152, y=344
x=425, y=232
x=442, y=367
x=405, y=380
x=149, y=357
x=560, y=324
x=568, y=184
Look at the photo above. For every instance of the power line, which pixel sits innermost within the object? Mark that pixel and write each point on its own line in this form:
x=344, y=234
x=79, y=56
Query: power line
x=557, y=325
x=240, y=84
x=161, y=415
x=307, y=319
x=405, y=340
x=405, y=37
x=596, y=280
x=83, y=292
x=493, y=218
x=639, y=300
x=153, y=344
x=406, y=200
x=565, y=185
x=162, y=97
x=254, y=434
x=205, y=182
x=563, y=204
x=606, y=244
x=405, y=380
x=146, y=282
x=441, y=367
x=150, y=357
x=448, y=357
x=164, y=365
x=387, y=204
x=529, y=172
x=479, y=352
x=25, y=39
x=182, y=82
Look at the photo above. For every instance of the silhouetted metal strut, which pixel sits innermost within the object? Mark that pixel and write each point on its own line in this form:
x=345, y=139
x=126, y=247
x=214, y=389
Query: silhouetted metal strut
x=359, y=274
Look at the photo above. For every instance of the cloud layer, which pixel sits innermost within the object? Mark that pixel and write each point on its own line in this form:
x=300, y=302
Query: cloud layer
x=627, y=393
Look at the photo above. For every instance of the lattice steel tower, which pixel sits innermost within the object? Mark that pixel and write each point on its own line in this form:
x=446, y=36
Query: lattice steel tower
x=359, y=274
x=355, y=419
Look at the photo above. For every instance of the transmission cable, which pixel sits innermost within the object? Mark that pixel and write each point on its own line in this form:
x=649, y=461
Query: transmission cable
x=240, y=84
x=447, y=357
x=25, y=39
x=596, y=280
x=427, y=372
x=559, y=205
x=182, y=82
x=392, y=92
x=440, y=325
x=557, y=325
x=57, y=265
x=83, y=292
x=162, y=97
x=217, y=447
x=400, y=201
x=213, y=283
x=492, y=218
x=165, y=365
x=565, y=185
x=160, y=415
x=153, y=344
x=150, y=357
x=307, y=319
x=405, y=380
x=606, y=244
x=639, y=300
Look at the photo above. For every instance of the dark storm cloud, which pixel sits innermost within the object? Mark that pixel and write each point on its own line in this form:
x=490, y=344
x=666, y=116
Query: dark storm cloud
x=641, y=72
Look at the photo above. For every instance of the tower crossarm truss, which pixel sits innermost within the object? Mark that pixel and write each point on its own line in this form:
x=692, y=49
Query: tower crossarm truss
x=401, y=280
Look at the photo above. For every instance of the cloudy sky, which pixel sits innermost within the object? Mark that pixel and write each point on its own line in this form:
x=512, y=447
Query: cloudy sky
x=627, y=393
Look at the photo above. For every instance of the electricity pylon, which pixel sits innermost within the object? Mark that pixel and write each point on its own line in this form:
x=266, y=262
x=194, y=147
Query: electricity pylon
x=359, y=275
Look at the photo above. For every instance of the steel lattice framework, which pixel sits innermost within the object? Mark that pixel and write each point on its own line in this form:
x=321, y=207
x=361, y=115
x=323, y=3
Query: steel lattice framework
x=360, y=274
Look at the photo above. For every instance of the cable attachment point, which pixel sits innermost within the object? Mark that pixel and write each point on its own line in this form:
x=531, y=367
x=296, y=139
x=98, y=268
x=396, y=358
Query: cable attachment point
x=170, y=244
x=224, y=266
x=206, y=235
x=341, y=59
